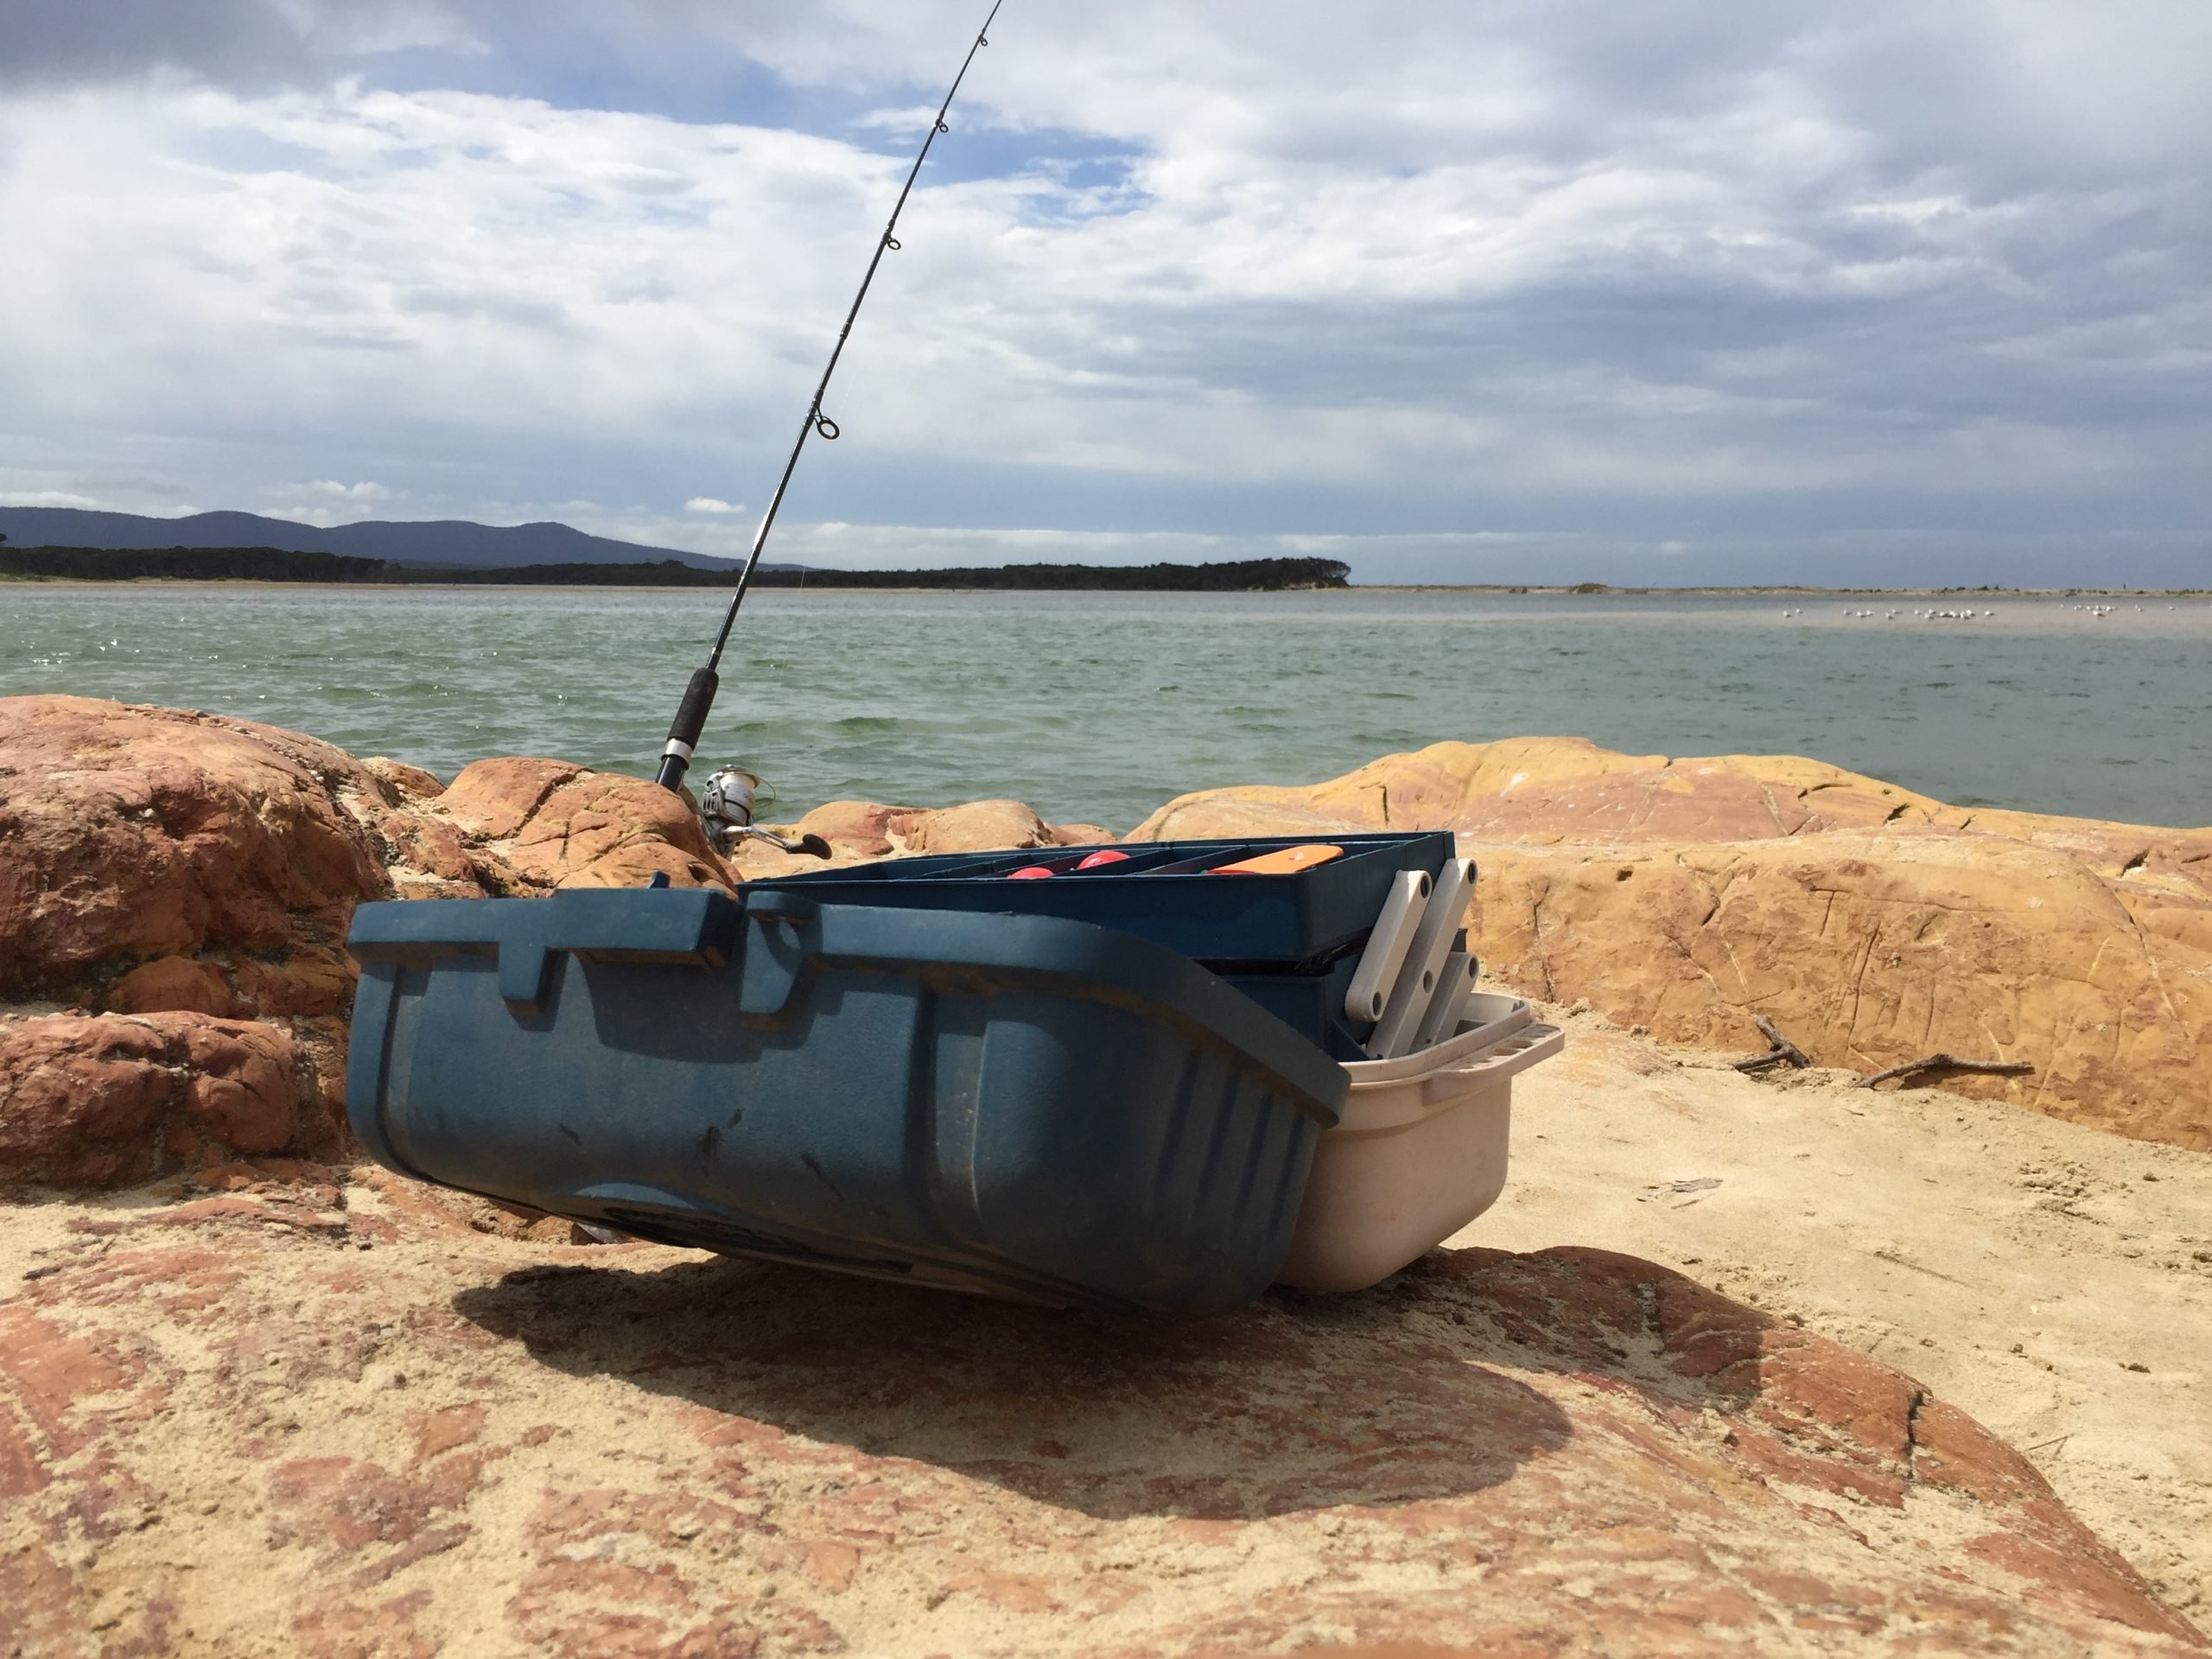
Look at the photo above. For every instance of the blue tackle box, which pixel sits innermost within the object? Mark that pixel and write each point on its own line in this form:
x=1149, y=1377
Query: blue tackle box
x=1024, y=1105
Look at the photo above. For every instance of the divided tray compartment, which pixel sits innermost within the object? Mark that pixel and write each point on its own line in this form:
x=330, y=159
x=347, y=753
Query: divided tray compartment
x=1168, y=893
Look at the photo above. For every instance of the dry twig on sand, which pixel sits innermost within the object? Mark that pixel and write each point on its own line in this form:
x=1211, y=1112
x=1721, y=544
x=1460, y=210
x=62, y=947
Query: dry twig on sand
x=1783, y=1052
x=1951, y=1063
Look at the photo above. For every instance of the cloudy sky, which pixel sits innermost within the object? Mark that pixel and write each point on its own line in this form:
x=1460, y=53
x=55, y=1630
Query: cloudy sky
x=1463, y=290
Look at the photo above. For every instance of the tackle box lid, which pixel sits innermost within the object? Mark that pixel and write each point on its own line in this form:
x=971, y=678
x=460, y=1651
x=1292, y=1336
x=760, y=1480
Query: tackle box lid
x=1172, y=893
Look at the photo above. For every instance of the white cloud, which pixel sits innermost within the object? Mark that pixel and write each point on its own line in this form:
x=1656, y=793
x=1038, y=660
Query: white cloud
x=1278, y=269
x=45, y=498
x=351, y=493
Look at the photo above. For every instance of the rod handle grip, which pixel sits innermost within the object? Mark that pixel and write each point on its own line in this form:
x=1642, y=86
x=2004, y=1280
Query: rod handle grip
x=684, y=731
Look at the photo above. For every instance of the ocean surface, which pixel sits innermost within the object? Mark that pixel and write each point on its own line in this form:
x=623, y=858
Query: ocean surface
x=1100, y=706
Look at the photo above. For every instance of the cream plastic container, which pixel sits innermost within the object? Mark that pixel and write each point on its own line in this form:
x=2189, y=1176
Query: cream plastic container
x=1421, y=1151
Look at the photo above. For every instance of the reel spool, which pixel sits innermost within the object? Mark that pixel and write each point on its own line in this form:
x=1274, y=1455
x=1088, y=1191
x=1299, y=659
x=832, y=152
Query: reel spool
x=725, y=814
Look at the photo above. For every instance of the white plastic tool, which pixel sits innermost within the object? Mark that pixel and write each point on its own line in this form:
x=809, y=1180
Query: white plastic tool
x=1432, y=943
x=1386, y=948
x=1454, y=986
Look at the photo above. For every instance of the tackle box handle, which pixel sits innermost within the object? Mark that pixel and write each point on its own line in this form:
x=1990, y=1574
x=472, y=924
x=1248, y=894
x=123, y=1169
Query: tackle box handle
x=1511, y=1055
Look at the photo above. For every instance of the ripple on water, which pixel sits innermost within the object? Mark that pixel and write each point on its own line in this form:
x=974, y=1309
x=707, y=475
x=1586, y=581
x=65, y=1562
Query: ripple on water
x=1101, y=707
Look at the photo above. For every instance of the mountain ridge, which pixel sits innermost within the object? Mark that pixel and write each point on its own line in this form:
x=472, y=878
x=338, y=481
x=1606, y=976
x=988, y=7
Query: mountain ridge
x=458, y=542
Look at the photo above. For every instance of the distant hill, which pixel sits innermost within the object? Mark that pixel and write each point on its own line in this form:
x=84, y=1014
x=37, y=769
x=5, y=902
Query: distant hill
x=432, y=540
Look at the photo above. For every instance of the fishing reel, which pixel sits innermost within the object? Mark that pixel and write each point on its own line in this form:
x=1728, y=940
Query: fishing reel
x=725, y=814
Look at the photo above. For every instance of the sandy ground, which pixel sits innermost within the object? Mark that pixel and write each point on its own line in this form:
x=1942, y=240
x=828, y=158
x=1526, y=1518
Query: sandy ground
x=2054, y=1281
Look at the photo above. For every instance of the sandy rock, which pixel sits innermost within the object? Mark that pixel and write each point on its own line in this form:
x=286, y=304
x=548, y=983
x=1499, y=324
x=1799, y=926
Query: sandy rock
x=431, y=859
x=870, y=829
x=853, y=828
x=313, y=980
x=1230, y=816
x=244, y=1092
x=1872, y=952
x=495, y=799
x=554, y=824
x=430, y=1210
x=1872, y=925
x=1544, y=789
x=81, y=1099
x=178, y=982
x=223, y=1426
x=135, y=834
x=93, y=1100
x=402, y=783
x=269, y=1410
x=859, y=830
x=978, y=827
x=185, y=868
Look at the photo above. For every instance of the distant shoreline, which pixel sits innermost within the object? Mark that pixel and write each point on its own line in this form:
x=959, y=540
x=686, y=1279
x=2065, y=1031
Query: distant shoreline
x=786, y=586
x=282, y=565
x=1602, y=590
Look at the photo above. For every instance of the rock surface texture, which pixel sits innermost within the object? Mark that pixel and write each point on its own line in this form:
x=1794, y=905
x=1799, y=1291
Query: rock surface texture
x=89, y=1102
x=152, y=858
x=297, y=1414
x=859, y=830
x=1872, y=925
x=530, y=825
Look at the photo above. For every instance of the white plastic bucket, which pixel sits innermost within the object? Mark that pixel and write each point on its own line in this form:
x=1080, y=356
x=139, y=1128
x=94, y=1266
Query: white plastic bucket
x=1421, y=1151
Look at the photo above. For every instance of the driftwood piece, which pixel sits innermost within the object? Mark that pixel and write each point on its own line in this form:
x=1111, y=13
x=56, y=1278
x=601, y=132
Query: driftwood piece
x=1951, y=1063
x=1784, y=1053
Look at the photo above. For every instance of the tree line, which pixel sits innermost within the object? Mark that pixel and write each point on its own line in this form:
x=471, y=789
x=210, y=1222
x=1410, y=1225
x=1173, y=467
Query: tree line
x=1233, y=575
x=276, y=565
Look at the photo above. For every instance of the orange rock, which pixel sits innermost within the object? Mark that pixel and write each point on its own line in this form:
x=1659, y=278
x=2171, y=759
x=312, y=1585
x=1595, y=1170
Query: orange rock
x=81, y=1100
x=433, y=852
x=173, y=982
x=244, y=1092
x=556, y=824
x=978, y=827
x=403, y=783
x=1872, y=925
x=315, y=979
x=869, y=829
x=89, y=1100
x=858, y=828
x=137, y=833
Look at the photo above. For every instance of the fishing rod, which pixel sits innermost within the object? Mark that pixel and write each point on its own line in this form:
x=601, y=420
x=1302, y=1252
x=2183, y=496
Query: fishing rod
x=699, y=694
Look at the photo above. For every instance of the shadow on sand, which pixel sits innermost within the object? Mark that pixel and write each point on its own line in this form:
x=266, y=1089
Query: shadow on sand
x=1294, y=1403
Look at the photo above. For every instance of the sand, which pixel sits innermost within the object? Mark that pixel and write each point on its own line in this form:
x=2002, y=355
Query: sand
x=2052, y=1280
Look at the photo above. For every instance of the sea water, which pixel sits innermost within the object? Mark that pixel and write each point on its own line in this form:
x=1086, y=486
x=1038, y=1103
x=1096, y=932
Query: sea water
x=1101, y=707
